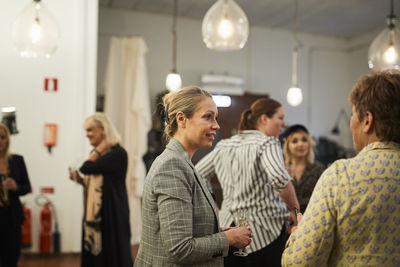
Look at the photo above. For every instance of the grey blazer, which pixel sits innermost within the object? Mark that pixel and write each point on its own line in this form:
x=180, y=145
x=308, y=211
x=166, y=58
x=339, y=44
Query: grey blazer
x=180, y=222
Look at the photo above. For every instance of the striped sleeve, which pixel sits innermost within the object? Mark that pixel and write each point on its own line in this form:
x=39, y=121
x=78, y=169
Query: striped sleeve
x=272, y=163
x=206, y=167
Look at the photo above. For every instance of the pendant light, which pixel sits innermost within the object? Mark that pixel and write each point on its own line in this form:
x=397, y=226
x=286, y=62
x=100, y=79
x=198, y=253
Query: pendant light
x=294, y=95
x=35, y=31
x=384, y=51
x=174, y=81
x=225, y=26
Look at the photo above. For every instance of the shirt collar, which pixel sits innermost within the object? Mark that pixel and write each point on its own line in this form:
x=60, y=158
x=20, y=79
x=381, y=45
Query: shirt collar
x=381, y=145
x=251, y=132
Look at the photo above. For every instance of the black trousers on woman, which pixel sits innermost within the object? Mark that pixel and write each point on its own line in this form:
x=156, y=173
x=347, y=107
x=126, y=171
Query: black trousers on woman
x=10, y=239
x=270, y=256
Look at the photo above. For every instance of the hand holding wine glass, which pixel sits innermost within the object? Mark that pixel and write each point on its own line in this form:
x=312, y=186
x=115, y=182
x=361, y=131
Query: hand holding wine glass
x=240, y=218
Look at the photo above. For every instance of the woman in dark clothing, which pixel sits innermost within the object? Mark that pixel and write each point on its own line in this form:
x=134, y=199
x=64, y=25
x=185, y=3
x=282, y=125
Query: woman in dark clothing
x=14, y=183
x=106, y=230
x=299, y=161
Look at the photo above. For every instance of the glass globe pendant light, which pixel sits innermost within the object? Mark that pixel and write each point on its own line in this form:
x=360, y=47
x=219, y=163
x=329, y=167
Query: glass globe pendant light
x=384, y=51
x=294, y=95
x=35, y=31
x=225, y=26
x=174, y=81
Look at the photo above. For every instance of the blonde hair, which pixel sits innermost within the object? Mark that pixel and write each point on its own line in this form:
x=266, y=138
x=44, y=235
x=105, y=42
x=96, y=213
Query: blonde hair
x=289, y=156
x=7, y=153
x=5, y=129
x=184, y=100
x=101, y=120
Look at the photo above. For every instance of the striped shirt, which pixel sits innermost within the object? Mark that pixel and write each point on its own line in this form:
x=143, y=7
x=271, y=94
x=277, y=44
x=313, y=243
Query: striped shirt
x=251, y=171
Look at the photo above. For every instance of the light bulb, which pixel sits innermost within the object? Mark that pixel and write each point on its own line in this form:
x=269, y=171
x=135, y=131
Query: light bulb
x=35, y=31
x=173, y=82
x=294, y=96
x=390, y=55
x=384, y=50
x=225, y=28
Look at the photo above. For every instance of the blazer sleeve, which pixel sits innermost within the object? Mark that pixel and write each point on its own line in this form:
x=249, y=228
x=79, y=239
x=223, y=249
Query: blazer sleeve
x=22, y=178
x=172, y=186
x=107, y=163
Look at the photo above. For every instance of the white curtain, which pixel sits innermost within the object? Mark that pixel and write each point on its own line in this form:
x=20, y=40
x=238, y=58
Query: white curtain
x=128, y=105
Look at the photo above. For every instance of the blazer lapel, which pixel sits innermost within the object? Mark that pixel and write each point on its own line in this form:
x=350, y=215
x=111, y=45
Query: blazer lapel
x=175, y=145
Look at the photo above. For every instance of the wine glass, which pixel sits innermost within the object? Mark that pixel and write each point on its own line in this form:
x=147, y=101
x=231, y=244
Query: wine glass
x=240, y=218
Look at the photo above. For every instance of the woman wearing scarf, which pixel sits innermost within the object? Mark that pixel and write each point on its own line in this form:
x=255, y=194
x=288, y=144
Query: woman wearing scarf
x=106, y=231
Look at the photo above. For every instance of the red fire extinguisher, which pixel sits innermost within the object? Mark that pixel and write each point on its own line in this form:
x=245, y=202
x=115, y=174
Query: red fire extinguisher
x=26, y=228
x=45, y=228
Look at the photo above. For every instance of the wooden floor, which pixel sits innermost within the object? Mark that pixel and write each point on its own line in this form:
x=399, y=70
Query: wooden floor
x=58, y=260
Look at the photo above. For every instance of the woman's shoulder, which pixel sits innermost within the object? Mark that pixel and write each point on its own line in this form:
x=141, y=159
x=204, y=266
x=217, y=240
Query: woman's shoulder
x=315, y=167
x=169, y=163
x=170, y=159
x=16, y=157
x=117, y=148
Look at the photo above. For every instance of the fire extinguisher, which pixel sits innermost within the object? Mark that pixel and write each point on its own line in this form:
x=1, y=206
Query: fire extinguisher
x=45, y=228
x=47, y=237
x=26, y=228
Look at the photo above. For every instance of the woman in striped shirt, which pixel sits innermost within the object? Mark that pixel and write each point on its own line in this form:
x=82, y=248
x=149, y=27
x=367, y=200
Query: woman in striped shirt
x=251, y=171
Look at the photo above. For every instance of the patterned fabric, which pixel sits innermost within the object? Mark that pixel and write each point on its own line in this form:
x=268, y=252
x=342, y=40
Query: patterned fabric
x=305, y=186
x=180, y=223
x=93, y=191
x=250, y=169
x=353, y=218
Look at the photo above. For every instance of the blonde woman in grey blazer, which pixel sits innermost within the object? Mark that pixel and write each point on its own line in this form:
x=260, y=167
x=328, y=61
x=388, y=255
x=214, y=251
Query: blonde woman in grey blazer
x=180, y=221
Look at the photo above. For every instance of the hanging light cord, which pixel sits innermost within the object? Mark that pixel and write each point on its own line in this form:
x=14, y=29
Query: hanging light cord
x=295, y=22
x=391, y=18
x=174, y=37
x=297, y=45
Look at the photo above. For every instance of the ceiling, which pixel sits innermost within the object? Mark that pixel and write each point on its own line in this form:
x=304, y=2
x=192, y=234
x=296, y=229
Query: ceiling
x=338, y=18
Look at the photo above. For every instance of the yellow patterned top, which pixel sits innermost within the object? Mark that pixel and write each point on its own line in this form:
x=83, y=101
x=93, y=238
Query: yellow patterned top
x=353, y=217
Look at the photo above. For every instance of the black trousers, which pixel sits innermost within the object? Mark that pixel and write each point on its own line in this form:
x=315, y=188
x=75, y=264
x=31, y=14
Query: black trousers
x=270, y=256
x=10, y=239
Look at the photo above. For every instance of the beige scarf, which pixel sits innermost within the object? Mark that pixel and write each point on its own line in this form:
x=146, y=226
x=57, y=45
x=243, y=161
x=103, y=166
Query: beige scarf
x=93, y=192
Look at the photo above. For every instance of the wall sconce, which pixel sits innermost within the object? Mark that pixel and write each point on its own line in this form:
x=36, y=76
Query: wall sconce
x=174, y=81
x=35, y=31
x=384, y=51
x=294, y=95
x=9, y=119
x=335, y=130
x=225, y=26
x=50, y=135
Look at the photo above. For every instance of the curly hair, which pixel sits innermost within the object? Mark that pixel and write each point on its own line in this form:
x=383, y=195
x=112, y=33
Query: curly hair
x=379, y=93
x=288, y=155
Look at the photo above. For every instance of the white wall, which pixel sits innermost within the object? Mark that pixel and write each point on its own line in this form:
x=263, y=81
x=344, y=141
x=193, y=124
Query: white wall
x=327, y=66
x=21, y=83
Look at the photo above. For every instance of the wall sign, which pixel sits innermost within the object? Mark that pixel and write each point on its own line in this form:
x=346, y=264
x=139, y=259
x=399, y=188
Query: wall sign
x=51, y=84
